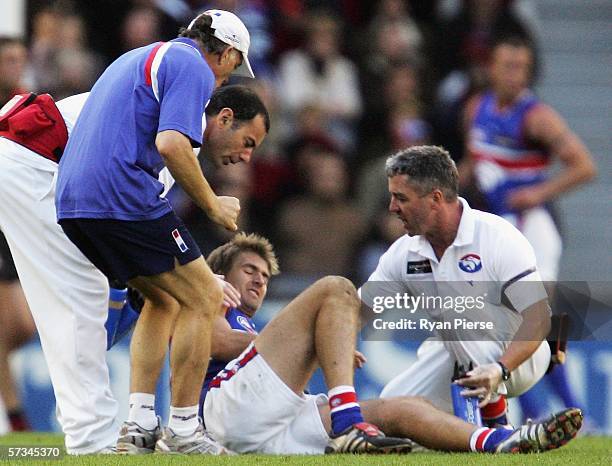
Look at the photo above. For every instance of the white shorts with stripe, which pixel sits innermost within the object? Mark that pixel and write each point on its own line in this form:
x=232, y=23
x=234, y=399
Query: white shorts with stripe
x=253, y=411
x=540, y=230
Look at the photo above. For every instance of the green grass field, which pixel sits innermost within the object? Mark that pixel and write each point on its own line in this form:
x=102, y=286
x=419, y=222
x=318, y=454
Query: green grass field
x=583, y=451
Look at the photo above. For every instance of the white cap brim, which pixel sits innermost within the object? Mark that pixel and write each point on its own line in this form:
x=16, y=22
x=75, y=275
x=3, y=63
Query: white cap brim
x=245, y=68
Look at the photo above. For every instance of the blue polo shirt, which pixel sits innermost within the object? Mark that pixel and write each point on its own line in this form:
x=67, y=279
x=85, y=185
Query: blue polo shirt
x=110, y=166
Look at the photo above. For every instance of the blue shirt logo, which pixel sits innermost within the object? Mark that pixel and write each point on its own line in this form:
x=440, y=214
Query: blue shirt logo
x=470, y=263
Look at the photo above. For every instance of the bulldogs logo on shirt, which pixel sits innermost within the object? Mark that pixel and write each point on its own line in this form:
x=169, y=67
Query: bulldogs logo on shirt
x=470, y=263
x=245, y=324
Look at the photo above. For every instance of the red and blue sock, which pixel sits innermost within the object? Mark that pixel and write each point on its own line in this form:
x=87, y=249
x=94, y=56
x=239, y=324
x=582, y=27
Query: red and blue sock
x=345, y=410
x=485, y=439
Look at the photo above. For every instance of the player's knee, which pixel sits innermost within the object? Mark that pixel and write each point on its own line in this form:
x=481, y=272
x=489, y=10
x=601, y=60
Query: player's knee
x=337, y=286
x=158, y=300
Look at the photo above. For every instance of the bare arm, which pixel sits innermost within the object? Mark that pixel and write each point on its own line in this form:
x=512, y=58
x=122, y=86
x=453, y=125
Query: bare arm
x=466, y=164
x=483, y=380
x=529, y=336
x=228, y=343
x=176, y=151
x=544, y=126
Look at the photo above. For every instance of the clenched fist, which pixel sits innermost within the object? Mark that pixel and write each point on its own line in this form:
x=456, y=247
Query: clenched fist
x=226, y=212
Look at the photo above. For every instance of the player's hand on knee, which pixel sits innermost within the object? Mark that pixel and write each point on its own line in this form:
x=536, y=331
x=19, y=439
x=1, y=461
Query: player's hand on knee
x=231, y=296
x=226, y=212
x=481, y=382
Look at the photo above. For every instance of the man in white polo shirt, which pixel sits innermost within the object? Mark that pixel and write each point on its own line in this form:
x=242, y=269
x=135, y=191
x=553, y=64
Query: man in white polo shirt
x=482, y=254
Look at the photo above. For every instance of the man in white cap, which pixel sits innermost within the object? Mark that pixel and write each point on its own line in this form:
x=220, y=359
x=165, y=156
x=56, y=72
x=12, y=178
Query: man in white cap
x=143, y=114
x=229, y=29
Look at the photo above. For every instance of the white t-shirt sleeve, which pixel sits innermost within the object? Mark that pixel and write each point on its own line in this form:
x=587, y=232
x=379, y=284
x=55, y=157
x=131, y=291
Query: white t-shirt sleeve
x=390, y=266
x=387, y=279
x=70, y=108
x=516, y=270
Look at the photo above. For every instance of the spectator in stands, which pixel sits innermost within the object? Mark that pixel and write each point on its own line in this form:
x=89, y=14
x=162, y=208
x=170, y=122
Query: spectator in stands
x=140, y=27
x=320, y=229
x=391, y=43
x=460, y=52
x=326, y=78
x=399, y=123
x=62, y=62
x=13, y=62
x=46, y=25
x=394, y=16
x=78, y=67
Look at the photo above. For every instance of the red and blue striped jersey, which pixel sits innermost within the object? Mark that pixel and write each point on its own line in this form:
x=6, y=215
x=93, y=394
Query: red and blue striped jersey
x=504, y=159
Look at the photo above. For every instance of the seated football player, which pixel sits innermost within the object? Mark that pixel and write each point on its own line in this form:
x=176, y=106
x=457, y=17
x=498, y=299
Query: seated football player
x=258, y=403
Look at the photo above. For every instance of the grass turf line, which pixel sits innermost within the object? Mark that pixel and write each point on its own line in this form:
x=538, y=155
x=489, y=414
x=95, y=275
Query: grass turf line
x=585, y=450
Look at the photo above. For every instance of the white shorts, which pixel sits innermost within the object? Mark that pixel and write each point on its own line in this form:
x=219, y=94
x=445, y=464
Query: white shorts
x=255, y=412
x=430, y=376
x=540, y=230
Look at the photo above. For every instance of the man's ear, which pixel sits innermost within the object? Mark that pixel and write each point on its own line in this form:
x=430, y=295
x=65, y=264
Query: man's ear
x=437, y=196
x=224, y=56
x=225, y=118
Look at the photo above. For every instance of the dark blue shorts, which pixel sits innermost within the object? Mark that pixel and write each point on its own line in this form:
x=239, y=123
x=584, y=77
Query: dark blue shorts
x=124, y=249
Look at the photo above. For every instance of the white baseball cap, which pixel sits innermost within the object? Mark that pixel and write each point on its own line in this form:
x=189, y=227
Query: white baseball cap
x=231, y=30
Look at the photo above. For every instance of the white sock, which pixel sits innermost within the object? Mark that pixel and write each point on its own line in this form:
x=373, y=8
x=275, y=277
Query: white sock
x=184, y=421
x=142, y=410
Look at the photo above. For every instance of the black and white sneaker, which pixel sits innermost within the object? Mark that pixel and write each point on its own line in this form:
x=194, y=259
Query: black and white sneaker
x=367, y=438
x=552, y=433
x=135, y=440
x=198, y=443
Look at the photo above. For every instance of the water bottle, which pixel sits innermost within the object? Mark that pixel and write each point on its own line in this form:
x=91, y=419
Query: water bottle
x=465, y=408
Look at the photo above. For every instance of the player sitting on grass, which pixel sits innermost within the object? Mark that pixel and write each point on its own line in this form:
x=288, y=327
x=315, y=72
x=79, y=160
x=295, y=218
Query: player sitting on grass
x=258, y=402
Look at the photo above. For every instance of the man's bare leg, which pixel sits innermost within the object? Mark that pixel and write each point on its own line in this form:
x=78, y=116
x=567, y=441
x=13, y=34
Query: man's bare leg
x=181, y=303
x=414, y=418
x=16, y=329
x=199, y=296
x=319, y=327
x=417, y=419
x=150, y=340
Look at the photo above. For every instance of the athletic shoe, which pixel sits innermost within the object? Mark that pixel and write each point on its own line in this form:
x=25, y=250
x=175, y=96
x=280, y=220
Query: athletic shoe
x=134, y=440
x=552, y=433
x=366, y=438
x=199, y=443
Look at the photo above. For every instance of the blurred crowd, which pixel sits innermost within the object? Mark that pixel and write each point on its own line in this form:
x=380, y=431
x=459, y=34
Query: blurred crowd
x=347, y=82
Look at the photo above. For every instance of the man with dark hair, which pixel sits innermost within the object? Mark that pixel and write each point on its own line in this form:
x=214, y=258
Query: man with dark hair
x=144, y=113
x=451, y=244
x=512, y=138
x=215, y=30
x=61, y=285
x=264, y=382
